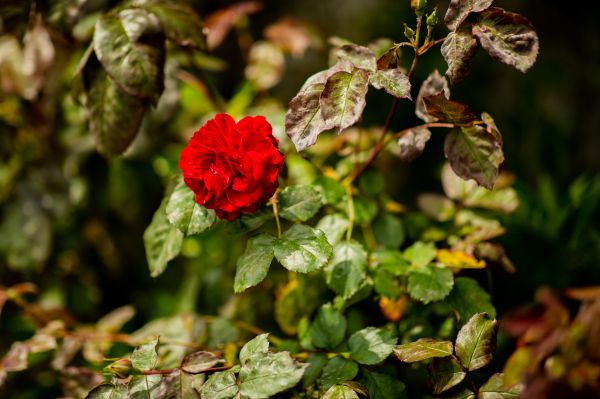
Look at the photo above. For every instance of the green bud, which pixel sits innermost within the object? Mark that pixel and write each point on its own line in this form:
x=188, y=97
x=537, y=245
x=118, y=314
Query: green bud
x=409, y=33
x=121, y=368
x=432, y=19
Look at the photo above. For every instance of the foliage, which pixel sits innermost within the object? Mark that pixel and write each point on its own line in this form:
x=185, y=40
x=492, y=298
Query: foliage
x=341, y=275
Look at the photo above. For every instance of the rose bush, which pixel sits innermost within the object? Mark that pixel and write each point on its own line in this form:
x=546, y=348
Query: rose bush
x=232, y=168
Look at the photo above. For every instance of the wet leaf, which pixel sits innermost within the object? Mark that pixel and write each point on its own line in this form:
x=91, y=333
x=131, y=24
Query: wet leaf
x=162, y=241
x=266, y=374
x=458, y=49
x=507, y=37
x=334, y=226
x=253, y=265
x=475, y=154
x=299, y=203
x=220, y=385
x=184, y=213
x=302, y=249
x=343, y=98
x=393, y=81
x=459, y=10
x=476, y=341
x=303, y=121
x=422, y=349
x=346, y=270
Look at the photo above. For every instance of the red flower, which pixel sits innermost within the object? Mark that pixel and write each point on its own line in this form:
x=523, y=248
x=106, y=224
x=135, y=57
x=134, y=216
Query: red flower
x=232, y=168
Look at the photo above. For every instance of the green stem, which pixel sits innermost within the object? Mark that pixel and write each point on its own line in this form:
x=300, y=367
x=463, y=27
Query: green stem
x=348, y=186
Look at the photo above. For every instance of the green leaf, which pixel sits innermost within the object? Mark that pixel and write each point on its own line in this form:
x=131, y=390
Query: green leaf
x=444, y=110
x=145, y=357
x=445, y=374
x=430, y=284
x=333, y=226
x=412, y=143
x=197, y=362
x=389, y=230
x=343, y=98
x=221, y=385
x=383, y=386
x=332, y=190
x=266, y=374
x=338, y=370
x=386, y=284
x=476, y=341
x=162, y=241
x=463, y=394
x=347, y=268
x=109, y=391
x=372, y=345
x=303, y=120
x=393, y=81
x=495, y=388
x=434, y=84
x=507, y=37
x=340, y=392
x=458, y=50
x=467, y=298
x=302, y=249
x=391, y=261
x=115, y=116
x=316, y=362
x=253, y=265
x=299, y=203
x=359, y=56
x=420, y=254
x=474, y=153
x=422, y=349
x=179, y=21
x=328, y=329
x=459, y=10
x=437, y=206
x=144, y=386
x=257, y=345
x=365, y=210
x=130, y=45
x=184, y=213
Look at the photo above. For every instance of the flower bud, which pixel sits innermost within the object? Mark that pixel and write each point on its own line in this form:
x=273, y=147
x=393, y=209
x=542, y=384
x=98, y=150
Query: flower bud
x=432, y=19
x=418, y=6
x=409, y=33
x=121, y=368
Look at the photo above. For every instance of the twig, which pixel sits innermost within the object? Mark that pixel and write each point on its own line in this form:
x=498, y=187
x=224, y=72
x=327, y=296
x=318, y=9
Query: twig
x=276, y=214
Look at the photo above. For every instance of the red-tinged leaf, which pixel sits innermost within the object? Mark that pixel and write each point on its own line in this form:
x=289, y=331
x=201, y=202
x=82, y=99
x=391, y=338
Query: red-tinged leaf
x=459, y=10
x=439, y=107
x=434, y=84
x=219, y=23
x=412, y=143
x=303, y=121
x=360, y=56
x=445, y=373
x=291, y=35
x=322, y=76
x=390, y=59
x=393, y=81
x=458, y=49
x=343, y=98
x=476, y=341
x=507, y=37
x=475, y=154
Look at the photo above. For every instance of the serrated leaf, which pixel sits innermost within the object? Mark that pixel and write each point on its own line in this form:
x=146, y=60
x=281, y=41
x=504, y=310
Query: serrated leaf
x=340, y=392
x=495, y=388
x=328, y=329
x=304, y=121
x=302, y=249
x=383, y=386
x=393, y=81
x=130, y=45
x=253, y=265
x=420, y=254
x=337, y=370
x=458, y=49
x=412, y=143
x=468, y=298
x=422, y=349
x=184, y=213
x=476, y=341
x=299, y=203
x=221, y=385
x=391, y=261
x=372, y=345
x=474, y=153
x=343, y=98
x=257, y=345
x=459, y=10
x=115, y=116
x=197, y=362
x=334, y=226
x=430, y=284
x=444, y=110
x=162, y=241
x=264, y=375
x=359, y=56
x=179, y=21
x=145, y=356
x=445, y=374
x=346, y=270
x=109, y=391
x=434, y=84
x=507, y=37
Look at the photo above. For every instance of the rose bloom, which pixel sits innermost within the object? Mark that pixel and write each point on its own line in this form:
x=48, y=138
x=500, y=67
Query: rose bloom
x=232, y=167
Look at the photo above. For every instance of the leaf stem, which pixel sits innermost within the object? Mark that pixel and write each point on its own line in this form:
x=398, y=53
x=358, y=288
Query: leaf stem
x=276, y=214
x=351, y=216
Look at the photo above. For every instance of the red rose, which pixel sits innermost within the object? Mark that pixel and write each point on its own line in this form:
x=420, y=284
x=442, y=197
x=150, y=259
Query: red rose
x=232, y=168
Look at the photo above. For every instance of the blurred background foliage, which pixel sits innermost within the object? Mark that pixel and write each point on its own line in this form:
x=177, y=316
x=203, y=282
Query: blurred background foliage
x=72, y=221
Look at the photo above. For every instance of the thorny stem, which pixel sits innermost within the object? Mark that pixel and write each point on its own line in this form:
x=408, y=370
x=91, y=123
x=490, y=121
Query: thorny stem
x=276, y=214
